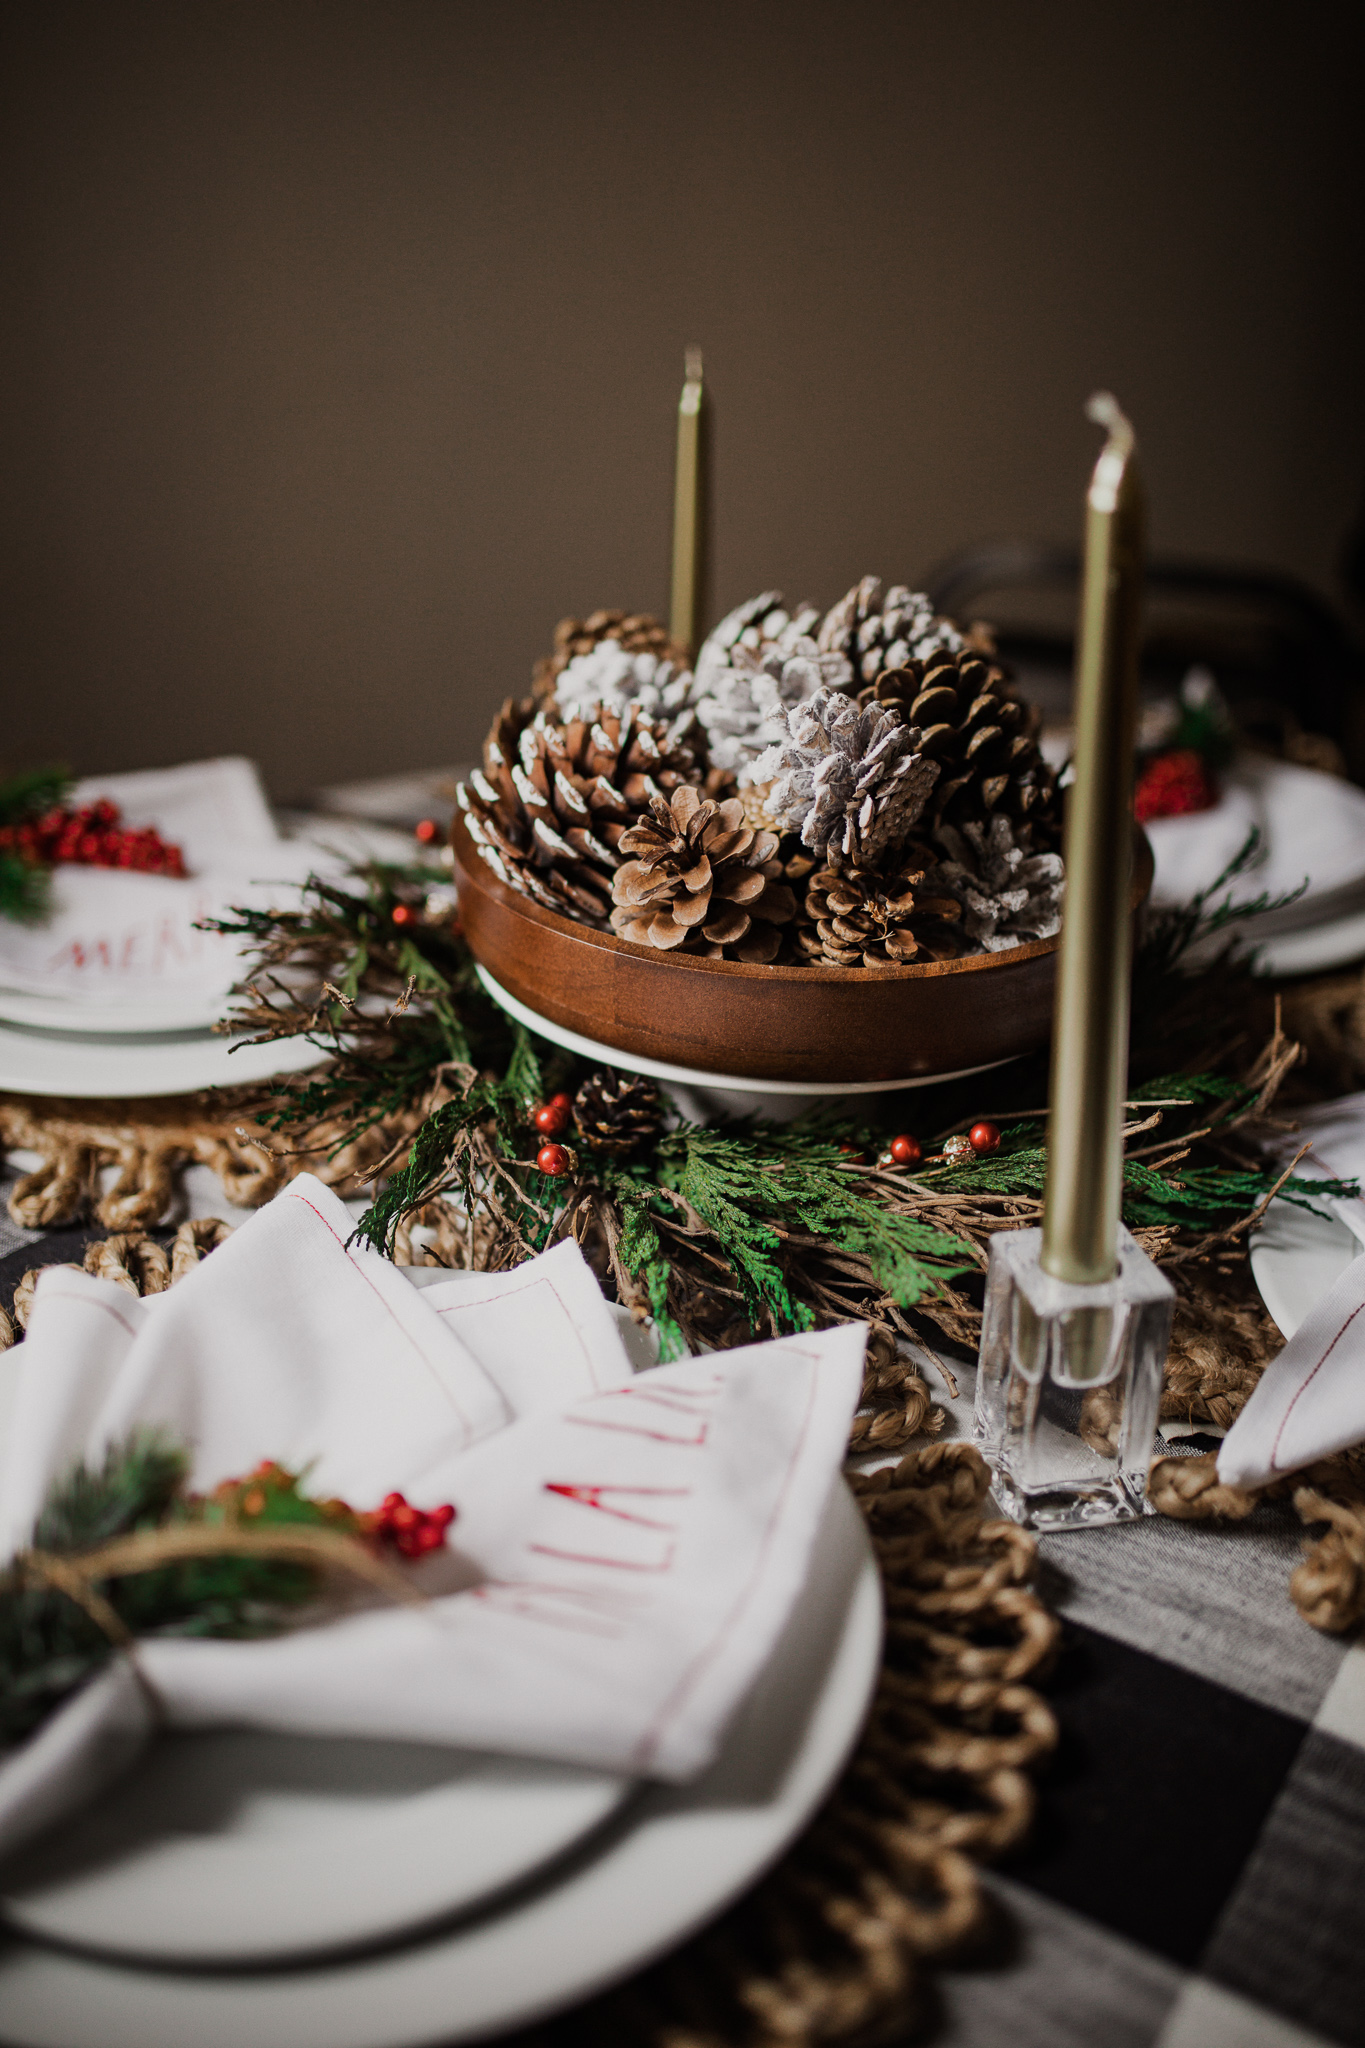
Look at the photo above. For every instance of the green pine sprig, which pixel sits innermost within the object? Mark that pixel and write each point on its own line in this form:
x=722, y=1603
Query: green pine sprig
x=50, y=1644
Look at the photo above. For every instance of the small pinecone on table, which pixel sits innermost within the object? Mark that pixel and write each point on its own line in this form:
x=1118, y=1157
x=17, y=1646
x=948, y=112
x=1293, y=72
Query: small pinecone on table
x=855, y=918
x=850, y=778
x=877, y=629
x=616, y=1113
x=700, y=879
x=980, y=734
x=551, y=802
x=1009, y=894
x=636, y=632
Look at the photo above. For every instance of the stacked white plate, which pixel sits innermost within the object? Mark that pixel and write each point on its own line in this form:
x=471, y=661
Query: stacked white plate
x=1312, y=829
x=117, y=992
x=345, y=1894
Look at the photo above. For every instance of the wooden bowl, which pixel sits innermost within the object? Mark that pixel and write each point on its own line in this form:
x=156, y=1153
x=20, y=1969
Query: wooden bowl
x=840, y=1025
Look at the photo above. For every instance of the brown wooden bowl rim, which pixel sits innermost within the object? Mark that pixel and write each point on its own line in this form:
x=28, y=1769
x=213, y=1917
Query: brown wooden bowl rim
x=477, y=871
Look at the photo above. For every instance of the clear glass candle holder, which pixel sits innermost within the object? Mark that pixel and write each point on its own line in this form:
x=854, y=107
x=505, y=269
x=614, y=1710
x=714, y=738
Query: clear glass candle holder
x=1069, y=1384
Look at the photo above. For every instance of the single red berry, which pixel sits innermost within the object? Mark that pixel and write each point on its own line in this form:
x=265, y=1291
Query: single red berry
x=405, y=1518
x=443, y=1516
x=553, y=1159
x=563, y=1097
x=983, y=1138
x=426, y=831
x=390, y=1502
x=552, y=1119
x=403, y=913
x=905, y=1150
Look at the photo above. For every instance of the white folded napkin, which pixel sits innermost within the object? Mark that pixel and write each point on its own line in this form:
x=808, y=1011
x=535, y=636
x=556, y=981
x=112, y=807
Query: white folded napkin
x=120, y=941
x=1337, y=1133
x=1313, y=828
x=629, y=1548
x=1310, y=1400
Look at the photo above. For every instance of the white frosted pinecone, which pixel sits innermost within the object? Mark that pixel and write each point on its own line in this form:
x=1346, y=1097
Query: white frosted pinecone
x=758, y=624
x=744, y=709
x=877, y=629
x=612, y=676
x=849, y=778
x=1008, y=893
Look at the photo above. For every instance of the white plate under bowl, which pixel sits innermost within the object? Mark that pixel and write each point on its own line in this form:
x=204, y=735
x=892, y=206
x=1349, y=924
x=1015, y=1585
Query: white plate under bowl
x=699, y=1094
x=671, y=1860
x=1297, y=1256
x=168, y=1063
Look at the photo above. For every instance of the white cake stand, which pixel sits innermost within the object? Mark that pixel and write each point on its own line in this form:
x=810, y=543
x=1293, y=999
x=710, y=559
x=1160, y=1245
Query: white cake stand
x=700, y=1096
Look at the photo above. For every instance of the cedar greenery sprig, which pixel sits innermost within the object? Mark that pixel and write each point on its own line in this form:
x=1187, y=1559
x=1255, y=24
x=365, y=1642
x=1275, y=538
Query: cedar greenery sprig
x=59, y=1624
x=746, y=1228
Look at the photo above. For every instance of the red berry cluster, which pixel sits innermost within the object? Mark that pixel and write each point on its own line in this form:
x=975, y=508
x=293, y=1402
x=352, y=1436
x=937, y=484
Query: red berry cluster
x=1173, y=785
x=551, y=1121
x=412, y=1531
x=91, y=837
x=980, y=1140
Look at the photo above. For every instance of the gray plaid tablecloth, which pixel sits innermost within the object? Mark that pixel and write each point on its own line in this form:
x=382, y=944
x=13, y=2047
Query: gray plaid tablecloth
x=1196, y=1874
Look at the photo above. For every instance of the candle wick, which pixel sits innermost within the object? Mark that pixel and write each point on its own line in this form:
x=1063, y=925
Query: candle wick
x=692, y=364
x=1104, y=409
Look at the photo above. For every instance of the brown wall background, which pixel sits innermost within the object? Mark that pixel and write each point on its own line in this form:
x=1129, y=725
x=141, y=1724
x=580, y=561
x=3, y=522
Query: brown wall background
x=343, y=340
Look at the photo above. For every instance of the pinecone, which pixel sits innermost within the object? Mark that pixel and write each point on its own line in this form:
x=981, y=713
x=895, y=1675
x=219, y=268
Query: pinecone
x=611, y=677
x=700, y=878
x=1008, y=893
x=551, y=802
x=757, y=624
x=877, y=629
x=636, y=632
x=856, y=918
x=850, y=779
x=615, y=1113
x=744, y=703
x=980, y=734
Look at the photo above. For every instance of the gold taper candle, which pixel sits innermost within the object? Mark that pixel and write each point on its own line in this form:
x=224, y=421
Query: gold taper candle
x=1090, y=1028
x=684, y=619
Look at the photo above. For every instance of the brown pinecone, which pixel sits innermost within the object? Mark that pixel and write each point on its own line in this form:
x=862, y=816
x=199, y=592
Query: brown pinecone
x=699, y=878
x=551, y=801
x=638, y=633
x=615, y=1113
x=855, y=918
x=981, y=735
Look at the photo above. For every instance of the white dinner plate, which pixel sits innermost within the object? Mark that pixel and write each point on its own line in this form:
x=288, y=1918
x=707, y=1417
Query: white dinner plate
x=1313, y=950
x=1297, y=1256
x=164, y=1063
x=241, y=1846
x=670, y=1861
x=701, y=1095
x=343, y=838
